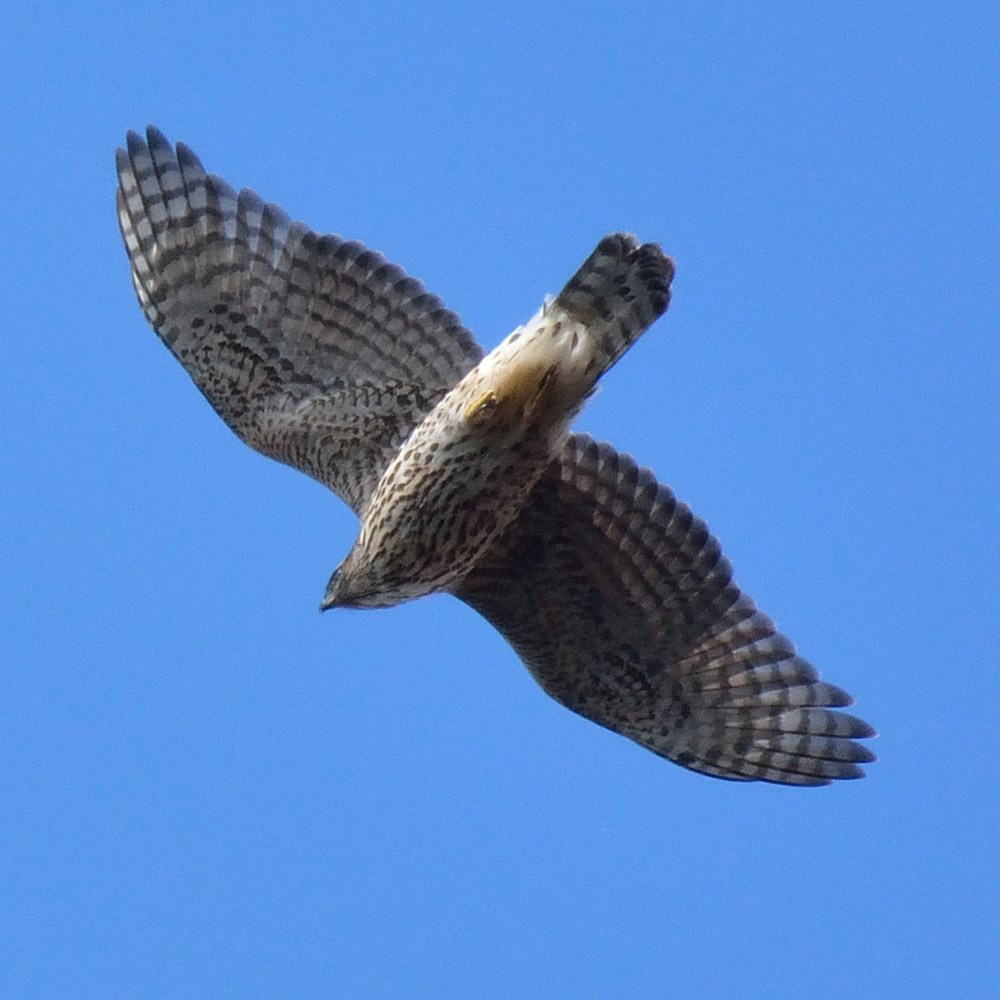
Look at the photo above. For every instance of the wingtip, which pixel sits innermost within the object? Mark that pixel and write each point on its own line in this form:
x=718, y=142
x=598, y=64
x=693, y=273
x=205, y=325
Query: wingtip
x=134, y=143
x=155, y=138
x=152, y=139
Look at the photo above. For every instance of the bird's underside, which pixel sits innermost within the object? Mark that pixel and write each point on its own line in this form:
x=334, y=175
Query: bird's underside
x=462, y=468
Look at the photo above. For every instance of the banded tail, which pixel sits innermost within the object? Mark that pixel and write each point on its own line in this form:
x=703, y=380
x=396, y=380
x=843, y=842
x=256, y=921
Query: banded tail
x=619, y=290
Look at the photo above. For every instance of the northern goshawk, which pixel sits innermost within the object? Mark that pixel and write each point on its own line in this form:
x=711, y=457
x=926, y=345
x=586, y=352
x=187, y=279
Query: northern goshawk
x=465, y=475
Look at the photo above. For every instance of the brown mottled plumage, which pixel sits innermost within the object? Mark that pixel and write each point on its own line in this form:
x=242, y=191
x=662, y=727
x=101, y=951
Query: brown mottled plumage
x=462, y=468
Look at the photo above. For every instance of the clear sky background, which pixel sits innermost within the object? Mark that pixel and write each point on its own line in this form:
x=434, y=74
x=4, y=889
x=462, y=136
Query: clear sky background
x=210, y=790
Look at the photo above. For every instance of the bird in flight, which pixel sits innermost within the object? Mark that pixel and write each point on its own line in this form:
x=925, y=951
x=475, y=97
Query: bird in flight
x=464, y=473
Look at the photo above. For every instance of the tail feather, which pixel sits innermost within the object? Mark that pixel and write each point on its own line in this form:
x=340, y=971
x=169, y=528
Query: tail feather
x=619, y=290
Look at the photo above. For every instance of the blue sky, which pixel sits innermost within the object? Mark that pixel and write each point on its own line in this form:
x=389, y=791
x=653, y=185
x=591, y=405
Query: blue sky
x=211, y=790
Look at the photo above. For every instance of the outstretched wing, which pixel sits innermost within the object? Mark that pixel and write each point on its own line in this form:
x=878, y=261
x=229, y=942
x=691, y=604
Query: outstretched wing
x=623, y=607
x=315, y=351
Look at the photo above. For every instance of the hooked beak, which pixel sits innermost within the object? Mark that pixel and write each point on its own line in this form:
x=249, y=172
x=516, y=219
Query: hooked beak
x=331, y=598
x=341, y=592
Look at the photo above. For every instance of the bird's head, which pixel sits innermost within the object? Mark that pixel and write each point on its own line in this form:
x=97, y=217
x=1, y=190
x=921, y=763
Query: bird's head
x=356, y=584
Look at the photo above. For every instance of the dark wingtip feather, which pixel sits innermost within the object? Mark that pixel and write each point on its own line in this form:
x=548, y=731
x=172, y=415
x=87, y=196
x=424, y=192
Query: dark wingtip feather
x=156, y=139
x=187, y=158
